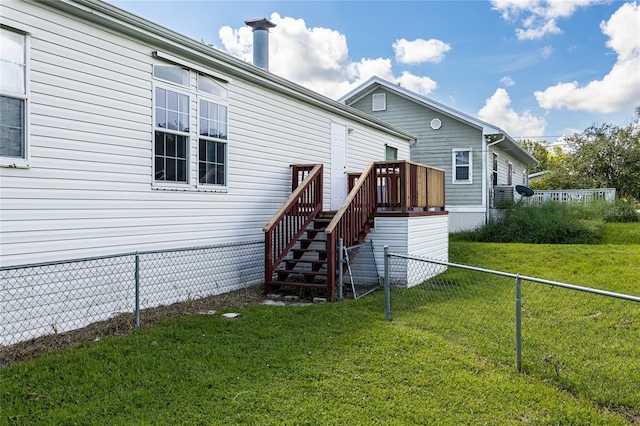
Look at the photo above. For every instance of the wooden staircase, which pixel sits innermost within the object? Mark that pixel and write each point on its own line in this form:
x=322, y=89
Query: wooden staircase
x=306, y=265
x=301, y=240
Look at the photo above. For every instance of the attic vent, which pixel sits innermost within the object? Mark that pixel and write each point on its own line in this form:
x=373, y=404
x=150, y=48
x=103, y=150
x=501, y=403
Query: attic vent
x=502, y=194
x=379, y=102
x=436, y=123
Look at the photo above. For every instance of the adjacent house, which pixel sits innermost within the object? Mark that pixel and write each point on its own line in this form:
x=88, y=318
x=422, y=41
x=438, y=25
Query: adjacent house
x=119, y=135
x=481, y=161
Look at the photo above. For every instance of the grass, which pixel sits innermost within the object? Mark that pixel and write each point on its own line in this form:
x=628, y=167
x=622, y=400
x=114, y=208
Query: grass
x=341, y=363
x=552, y=223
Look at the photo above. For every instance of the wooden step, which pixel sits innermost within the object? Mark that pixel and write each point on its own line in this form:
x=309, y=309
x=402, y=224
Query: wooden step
x=300, y=272
x=297, y=284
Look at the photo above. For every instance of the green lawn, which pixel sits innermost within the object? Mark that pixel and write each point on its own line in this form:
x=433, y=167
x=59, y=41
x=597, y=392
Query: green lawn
x=341, y=363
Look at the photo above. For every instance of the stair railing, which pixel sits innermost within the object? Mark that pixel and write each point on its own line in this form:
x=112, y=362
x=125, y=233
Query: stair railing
x=291, y=221
x=351, y=219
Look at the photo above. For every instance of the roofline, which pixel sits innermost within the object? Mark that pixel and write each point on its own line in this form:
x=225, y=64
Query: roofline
x=131, y=24
x=487, y=128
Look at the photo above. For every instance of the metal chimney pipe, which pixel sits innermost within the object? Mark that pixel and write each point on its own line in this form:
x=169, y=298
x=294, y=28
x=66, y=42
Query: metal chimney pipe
x=260, y=28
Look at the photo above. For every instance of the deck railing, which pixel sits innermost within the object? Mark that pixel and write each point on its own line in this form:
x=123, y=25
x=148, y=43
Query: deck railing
x=389, y=186
x=291, y=221
x=403, y=186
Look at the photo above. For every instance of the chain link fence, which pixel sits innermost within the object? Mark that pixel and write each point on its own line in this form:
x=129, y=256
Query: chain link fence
x=55, y=297
x=582, y=340
x=360, y=275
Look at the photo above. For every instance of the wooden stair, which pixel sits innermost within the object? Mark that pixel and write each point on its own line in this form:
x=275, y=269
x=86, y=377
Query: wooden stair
x=307, y=265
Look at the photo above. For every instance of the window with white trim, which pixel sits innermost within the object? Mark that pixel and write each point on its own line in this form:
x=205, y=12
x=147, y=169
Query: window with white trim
x=379, y=102
x=213, y=132
x=171, y=136
x=14, y=98
x=462, y=165
x=174, y=138
x=509, y=173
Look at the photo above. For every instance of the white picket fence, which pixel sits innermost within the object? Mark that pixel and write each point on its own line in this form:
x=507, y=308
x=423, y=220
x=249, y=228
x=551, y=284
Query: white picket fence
x=584, y=196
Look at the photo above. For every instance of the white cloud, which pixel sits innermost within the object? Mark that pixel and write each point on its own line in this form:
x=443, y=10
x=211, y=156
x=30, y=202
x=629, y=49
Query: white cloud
x=497, y=111
x=421, y=85
x=546, y=52
x=620, y=88
x=540, y=16
x=318, y=58
x=419, y=51
x=507, y=81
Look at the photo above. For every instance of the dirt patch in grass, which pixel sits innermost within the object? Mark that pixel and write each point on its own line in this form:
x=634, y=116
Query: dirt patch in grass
x=125, y=323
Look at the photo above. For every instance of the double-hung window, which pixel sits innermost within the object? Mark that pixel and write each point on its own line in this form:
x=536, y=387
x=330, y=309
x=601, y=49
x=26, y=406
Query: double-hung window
x=171, y=127
x=191, y=122
x=212, y=131
x=462, y=166
x=14, y=96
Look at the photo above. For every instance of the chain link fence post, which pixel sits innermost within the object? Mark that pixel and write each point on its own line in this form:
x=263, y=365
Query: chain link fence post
x=137, y=289
x=340, y=266
x=518, y=324
x=387, y=288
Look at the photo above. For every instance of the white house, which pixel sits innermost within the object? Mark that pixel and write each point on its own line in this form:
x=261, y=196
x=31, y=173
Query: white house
x=119, y=135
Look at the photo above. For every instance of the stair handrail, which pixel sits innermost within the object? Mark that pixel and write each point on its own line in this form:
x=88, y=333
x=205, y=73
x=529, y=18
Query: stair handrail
x=292, y=219
x=360, y=204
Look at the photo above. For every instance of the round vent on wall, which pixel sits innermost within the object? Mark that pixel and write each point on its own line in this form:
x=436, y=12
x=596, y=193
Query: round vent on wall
x=436, y=123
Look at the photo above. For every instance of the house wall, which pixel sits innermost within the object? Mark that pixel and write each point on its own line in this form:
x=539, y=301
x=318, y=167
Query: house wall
x=434, y=147
x=88, y=191
x=424, y=236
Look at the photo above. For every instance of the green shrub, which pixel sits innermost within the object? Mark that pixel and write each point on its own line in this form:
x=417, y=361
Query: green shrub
x=549, y=223
x=621, y=212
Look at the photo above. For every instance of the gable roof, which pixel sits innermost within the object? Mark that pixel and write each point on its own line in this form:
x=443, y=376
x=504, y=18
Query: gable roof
x=492, y=133
x=101, y=12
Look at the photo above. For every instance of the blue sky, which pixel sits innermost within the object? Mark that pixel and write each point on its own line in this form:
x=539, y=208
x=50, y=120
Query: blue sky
x=538, y=69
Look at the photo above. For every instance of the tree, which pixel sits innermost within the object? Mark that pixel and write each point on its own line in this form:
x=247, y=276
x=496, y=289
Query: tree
x=539, y=151
x=607, y=156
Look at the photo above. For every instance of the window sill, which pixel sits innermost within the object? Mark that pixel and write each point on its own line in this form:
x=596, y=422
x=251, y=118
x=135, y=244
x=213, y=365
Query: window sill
x=14, y=163
x=186, y=188
x=462, y=182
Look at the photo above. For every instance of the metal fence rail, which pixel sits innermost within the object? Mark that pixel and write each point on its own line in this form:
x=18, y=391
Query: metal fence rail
x=54, y=297
x=584, y=340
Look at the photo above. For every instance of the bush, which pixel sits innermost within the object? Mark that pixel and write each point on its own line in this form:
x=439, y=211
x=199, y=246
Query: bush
x=621, y=212
x=549, y=223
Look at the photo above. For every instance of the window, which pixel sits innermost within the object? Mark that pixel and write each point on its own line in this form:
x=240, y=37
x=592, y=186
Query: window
x=495, y=169
x=191, y=125
x=391, y=153
x=171, y=149
x=509, y=173
x=379, y=102
x=14, y=147
x=462, y=166
x=172, y=73
x=212, y=150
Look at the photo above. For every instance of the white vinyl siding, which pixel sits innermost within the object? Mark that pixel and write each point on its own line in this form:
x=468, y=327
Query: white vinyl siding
x=14, y=97
x=89, y=189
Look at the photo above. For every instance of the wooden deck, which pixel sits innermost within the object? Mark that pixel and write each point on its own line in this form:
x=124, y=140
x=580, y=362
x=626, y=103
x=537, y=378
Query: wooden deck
x=301, y=240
